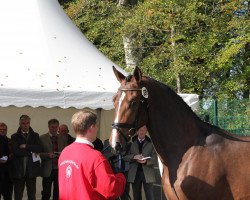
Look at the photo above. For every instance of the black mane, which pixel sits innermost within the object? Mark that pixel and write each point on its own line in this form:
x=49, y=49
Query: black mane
x=172, y=93
x=207, y=128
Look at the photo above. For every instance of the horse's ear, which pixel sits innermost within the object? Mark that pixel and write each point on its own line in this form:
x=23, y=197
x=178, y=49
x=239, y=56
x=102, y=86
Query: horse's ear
x=137, y=74
x=118, y=75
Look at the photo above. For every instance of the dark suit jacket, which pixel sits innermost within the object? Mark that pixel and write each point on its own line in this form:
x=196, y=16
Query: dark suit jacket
x=22, y=160
x=98, y=145
x=4, y=151
x=47, y=163
x=70, y=139
x=148, y=168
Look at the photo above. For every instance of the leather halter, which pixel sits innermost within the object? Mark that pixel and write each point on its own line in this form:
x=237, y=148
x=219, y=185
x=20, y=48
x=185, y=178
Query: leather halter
x=131, y=127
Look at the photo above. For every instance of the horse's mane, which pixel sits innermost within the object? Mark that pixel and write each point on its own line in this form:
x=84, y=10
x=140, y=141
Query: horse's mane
x=179, y=100
x=207, y=129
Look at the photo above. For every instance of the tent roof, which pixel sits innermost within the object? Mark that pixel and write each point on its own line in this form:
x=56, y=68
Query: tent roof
x=47, y=61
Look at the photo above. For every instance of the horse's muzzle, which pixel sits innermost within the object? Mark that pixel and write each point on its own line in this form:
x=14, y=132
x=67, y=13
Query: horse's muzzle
x=118, y=148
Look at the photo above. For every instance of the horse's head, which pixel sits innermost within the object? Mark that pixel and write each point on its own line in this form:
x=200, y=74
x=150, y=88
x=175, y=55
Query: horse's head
x=130, y=104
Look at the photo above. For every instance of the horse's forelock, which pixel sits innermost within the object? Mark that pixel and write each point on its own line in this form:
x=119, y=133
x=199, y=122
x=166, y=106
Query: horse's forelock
x=128, y=78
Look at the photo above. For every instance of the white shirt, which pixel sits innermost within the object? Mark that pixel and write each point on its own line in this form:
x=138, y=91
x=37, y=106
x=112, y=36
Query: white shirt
x=141, y=140
x=83, y=141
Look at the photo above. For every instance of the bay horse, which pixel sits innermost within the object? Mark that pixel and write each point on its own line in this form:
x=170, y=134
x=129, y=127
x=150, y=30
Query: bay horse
x=200, y=161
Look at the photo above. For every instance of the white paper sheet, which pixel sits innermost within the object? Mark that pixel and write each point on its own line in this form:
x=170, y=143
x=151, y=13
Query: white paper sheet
x=36, y=157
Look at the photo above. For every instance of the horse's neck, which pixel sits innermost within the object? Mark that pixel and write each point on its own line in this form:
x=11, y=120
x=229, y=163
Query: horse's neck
x=173, y=126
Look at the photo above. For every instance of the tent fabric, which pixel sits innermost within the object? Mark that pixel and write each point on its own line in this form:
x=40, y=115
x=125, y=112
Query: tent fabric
x=192, y=100
x=46, y=61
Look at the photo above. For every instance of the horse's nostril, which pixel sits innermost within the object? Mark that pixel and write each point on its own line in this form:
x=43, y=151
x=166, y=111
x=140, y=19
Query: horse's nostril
x=118, y=147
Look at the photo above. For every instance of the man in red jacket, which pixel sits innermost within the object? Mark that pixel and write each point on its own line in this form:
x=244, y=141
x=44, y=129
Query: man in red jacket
x=84, y=173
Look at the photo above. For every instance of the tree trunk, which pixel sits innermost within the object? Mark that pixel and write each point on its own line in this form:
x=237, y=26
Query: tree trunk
x=178, y=77
x=132, y=53
x=127, y=2
x=123, y=2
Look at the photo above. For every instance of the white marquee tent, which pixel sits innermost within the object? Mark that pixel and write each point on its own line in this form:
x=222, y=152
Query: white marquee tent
x=49, y=69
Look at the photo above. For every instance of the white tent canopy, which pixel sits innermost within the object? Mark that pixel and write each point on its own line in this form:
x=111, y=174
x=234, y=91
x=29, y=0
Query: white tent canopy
x=46, y=61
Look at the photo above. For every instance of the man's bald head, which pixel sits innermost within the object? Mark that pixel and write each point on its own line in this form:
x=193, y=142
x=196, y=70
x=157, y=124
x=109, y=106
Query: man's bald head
x=63, y=129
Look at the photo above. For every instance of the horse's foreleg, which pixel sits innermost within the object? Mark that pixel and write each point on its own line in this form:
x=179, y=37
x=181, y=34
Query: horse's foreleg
x=168, y=189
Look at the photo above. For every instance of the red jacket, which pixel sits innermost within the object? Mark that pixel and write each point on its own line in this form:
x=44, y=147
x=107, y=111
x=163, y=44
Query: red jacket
x=84, y=174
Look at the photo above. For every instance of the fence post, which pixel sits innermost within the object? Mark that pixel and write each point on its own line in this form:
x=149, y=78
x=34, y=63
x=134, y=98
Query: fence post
x=215, y=120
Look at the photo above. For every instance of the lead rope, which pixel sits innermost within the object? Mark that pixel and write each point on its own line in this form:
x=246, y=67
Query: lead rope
x=120, y=169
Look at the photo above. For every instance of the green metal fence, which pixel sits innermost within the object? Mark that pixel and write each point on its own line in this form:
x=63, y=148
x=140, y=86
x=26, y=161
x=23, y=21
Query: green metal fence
x=230, y=114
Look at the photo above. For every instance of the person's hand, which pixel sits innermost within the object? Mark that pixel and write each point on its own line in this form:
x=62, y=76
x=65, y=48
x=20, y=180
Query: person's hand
x=142, y=161
x=51, y=155
x=22, y=146
x=138, y=157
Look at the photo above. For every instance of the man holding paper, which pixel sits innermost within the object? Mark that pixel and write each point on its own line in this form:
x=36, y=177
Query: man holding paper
x=52, y=143
x=141, y=168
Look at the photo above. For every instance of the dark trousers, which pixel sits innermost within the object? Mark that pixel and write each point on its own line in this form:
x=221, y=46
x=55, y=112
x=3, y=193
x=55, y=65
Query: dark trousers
x=125, y=195
x=47, y=184
x=137, y=187
x=6, y=185
x=19, y=185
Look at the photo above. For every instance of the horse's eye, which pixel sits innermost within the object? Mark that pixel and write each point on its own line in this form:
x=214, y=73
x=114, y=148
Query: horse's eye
x=132, y=104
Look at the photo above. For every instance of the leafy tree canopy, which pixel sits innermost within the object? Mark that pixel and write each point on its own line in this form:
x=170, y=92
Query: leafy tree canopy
x=206, y=43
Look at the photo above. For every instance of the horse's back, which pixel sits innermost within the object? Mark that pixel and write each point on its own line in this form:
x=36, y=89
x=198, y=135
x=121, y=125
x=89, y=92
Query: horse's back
x=233, y=158
x=219, y=170
x=236, y=161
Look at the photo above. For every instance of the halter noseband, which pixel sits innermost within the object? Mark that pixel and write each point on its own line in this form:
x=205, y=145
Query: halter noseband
x=131, y=127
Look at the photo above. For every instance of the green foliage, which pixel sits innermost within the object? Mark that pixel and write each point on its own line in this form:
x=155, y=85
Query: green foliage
x=206, y=43
x=233, y=115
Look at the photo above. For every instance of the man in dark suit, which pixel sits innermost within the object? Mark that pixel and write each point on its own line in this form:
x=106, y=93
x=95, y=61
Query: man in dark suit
x=25, y=147
x=5, y=167
x=64, y=130
x=141, y=168
x=53, y=144
x=4, y=153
